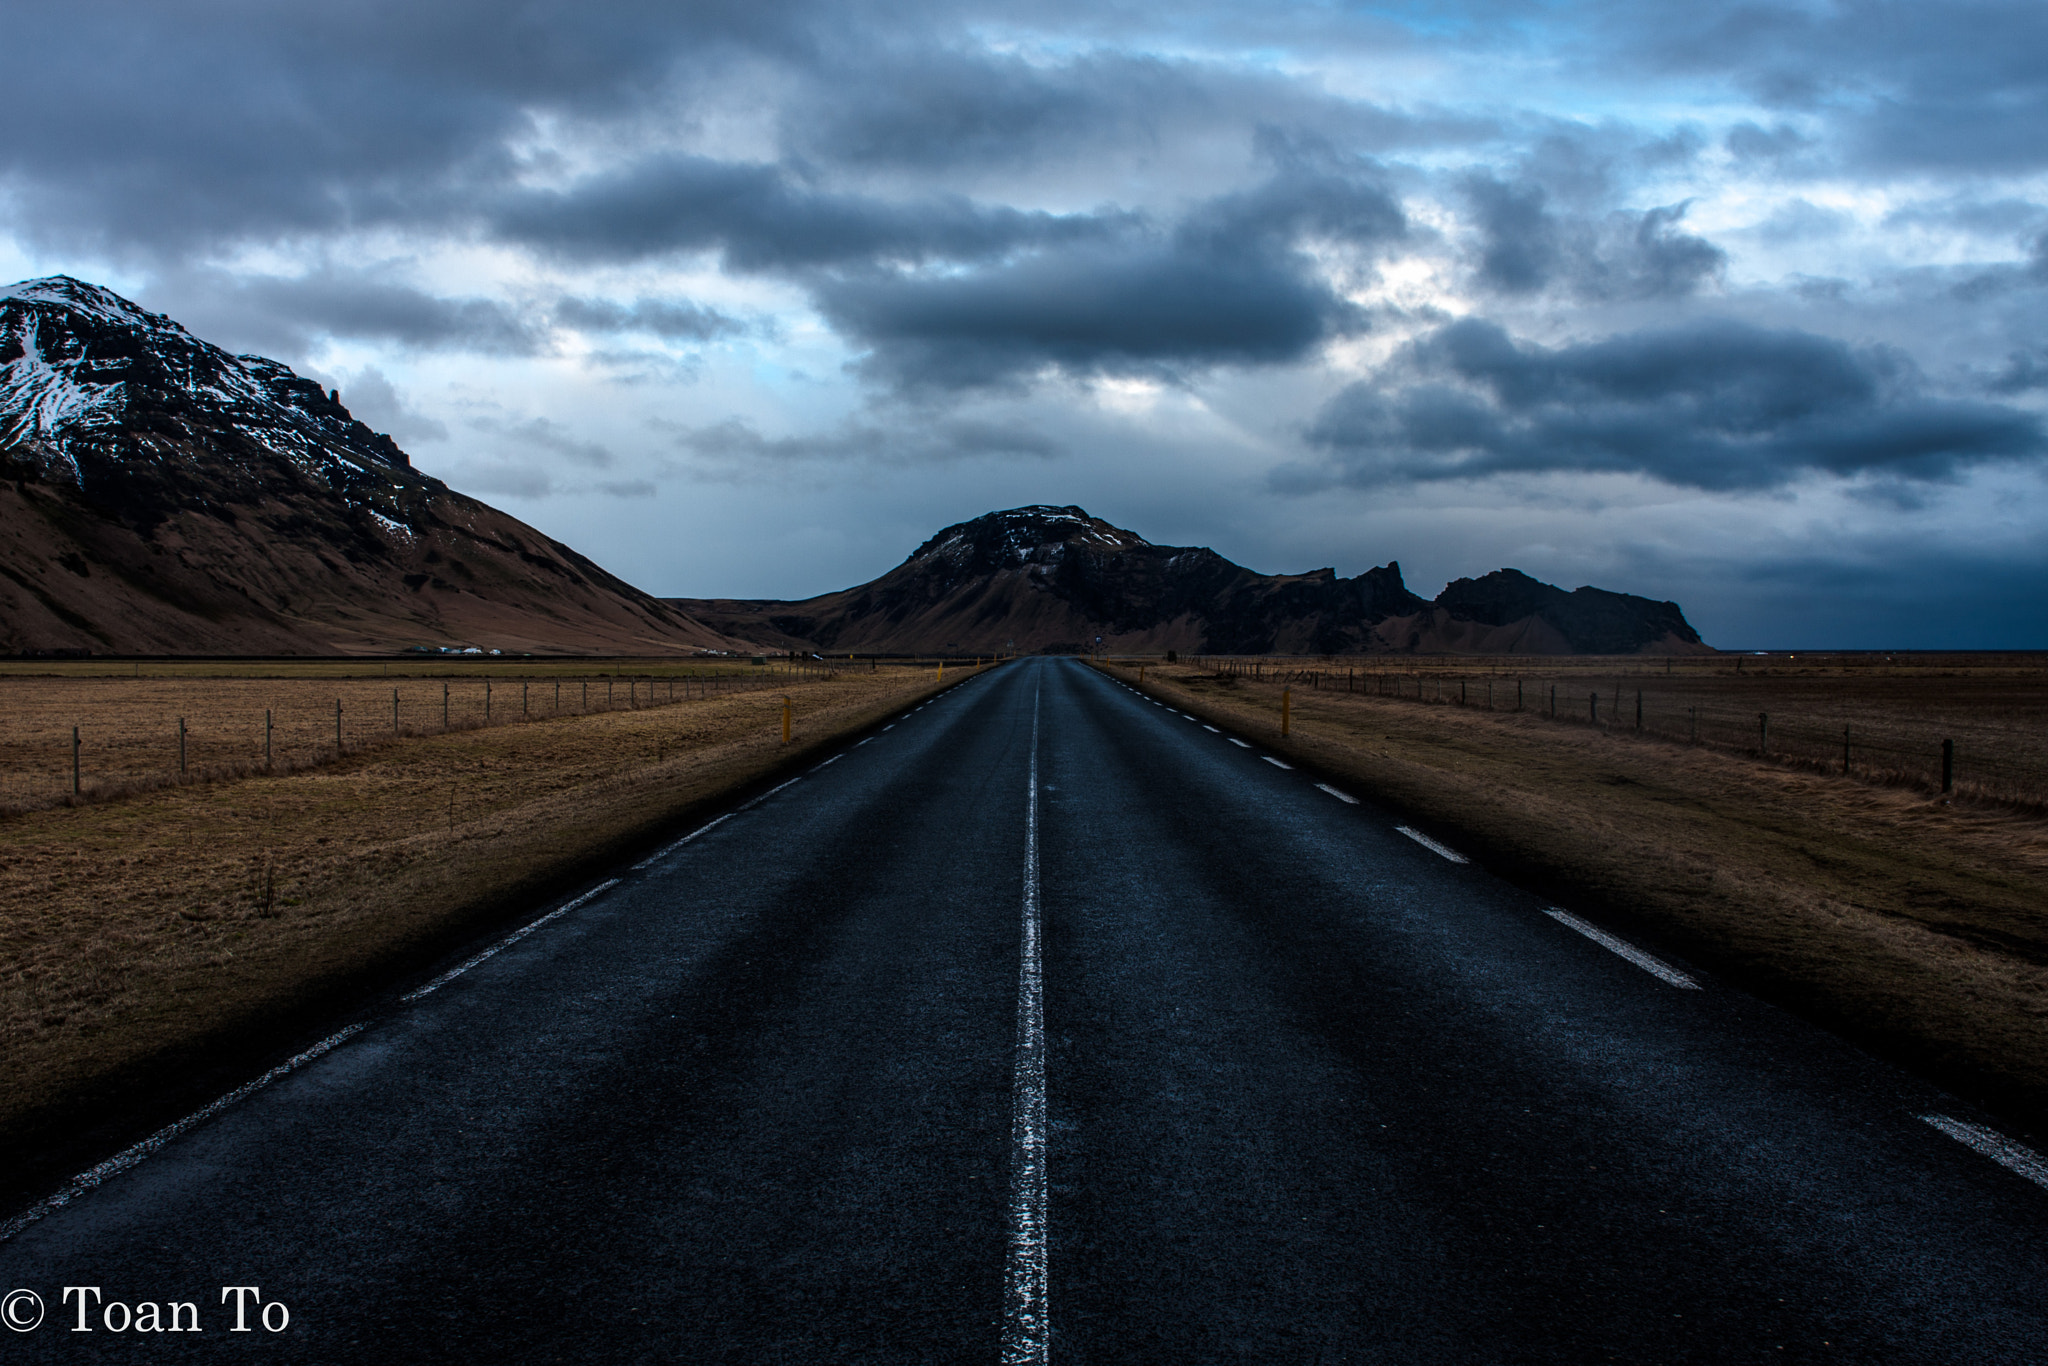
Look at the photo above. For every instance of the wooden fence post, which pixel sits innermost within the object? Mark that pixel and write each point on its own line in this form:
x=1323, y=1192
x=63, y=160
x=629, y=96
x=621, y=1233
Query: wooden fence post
x=444, y=712
x=1845, y=751
x=181, y=746
x=1763, y=732
x=394, y=711
x=74, y=762
x=337, y=727
x=1593, y=707
x=1639, y=708
x=267, y=728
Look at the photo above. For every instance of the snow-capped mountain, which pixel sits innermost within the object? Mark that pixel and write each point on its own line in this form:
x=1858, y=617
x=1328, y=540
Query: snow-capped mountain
x=1055, y=578
x=165, y=496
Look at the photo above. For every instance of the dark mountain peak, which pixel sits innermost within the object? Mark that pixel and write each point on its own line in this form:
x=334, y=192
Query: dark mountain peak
x=1054, y=578
x=1040, y=533
x=1592, y=620
x=94, y=388
x=161, y=494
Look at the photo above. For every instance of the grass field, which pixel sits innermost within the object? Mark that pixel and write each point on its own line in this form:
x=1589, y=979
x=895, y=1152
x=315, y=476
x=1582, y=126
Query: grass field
x=1916, y=925
x=1885, y=717
x=238, y=718
x=146, y=928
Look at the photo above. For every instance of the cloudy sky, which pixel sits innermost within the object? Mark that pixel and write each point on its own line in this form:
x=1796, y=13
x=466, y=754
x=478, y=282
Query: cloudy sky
x=1736, y=304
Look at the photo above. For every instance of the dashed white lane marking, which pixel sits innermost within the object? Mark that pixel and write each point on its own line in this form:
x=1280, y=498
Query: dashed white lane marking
x=833, y=760
x=1282, y=763
x=1656, y=967
x=890, y=726
x=513, y=938
x=1996, y=1146
x=1241, y=744
x=1211, y=729
x=122, y=1161
x=1026, y=1327
x=1428, y=843
x=864, y=742
x=1344, y=797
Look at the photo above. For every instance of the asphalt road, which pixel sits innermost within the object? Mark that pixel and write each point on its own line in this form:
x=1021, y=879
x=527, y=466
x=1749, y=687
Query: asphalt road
x=1311, y=1092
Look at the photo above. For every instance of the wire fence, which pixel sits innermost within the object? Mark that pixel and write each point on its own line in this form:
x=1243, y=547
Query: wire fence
x=1987, y=736
x=88, y=740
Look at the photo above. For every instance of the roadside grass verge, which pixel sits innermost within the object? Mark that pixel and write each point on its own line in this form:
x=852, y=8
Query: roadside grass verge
x=151, y=946
x=1916, y=928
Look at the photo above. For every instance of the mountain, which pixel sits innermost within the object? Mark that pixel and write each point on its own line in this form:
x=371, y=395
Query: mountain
x=1054, y=578
x=163, y=496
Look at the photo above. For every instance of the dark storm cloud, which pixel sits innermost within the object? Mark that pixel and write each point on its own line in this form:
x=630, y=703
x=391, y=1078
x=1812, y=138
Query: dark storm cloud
x=738, y=450
x=289, y=316
x=1717, y=405
x=1228, y=285
x=670, y=319
x=1946, y=89
x=2024, y=372
x=946, y=108
x=168, y=129
x=764, y=218
x=1525, y=247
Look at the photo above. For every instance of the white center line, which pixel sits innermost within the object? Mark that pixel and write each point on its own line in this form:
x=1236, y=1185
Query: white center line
x=1345, y=797
x=1208, y=727
x=1026, y=1328
x=1277, y=763
x=128, y=1157
x=1994, y=1145
x=833, y=760
x=1656, y=967
x=1241, y=744
x=1428, y=843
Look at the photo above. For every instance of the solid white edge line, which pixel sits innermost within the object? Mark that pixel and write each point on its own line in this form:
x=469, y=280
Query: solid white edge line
x=2012, y=1156
x=1344, y=797
x=1282, y=763
x=1431, y=845
x=1656, y=967
x=509, y=940
x=1026, y=1326
x=128, y=1157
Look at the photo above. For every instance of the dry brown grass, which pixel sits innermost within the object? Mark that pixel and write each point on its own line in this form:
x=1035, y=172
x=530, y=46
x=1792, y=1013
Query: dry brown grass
x=1915, y=926
x=134, y=929
x=128, y=722
x=1897, y=711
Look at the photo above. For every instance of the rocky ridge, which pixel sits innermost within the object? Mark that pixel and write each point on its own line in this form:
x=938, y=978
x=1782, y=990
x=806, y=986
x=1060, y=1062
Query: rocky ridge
x=1054, y=578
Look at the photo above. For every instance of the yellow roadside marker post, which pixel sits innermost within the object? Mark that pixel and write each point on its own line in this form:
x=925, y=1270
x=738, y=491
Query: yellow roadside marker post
x=1286, y=710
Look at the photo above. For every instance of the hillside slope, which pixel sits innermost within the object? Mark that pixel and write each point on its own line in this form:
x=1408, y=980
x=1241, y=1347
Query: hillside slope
x=163, y=496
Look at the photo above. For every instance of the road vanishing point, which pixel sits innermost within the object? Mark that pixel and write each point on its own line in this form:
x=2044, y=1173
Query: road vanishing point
x=1050, y=1024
